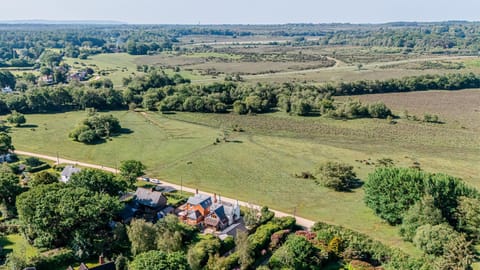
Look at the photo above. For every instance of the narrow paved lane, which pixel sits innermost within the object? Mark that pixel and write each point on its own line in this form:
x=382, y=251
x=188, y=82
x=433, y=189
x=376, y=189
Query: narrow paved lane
x=300, y=221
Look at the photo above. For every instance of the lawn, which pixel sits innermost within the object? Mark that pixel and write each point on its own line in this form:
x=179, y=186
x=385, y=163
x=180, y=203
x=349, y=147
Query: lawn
x=17, y=243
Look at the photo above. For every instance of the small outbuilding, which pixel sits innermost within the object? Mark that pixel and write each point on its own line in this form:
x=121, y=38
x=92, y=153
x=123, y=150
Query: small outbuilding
x=67, y=172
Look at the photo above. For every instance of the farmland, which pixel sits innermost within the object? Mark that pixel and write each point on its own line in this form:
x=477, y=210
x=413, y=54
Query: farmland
x=268, y=63
x=180, y=148
x=258, y=113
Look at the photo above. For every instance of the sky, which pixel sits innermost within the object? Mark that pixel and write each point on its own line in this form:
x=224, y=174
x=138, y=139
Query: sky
x=241, y=12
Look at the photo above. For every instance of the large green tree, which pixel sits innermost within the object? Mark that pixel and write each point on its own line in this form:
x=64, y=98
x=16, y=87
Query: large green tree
x=9, y=188
x=98, y=181
x=390, y=192
x=142, y=235
x=131, y=169
x=5, y=143
x=57, y=215
x=7, y=79
x=159, y=260
x=173, y=235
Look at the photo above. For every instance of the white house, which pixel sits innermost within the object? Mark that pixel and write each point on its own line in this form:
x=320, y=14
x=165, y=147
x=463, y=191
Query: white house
x=7, y=90
x=67, y=172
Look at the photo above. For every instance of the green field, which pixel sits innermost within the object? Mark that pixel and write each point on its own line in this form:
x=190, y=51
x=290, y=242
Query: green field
x=118, y=66
x=259, y=165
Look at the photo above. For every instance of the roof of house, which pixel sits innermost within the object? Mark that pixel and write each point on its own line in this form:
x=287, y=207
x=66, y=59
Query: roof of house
x=105, y=266
x=210, y=221
x=69, y=170
x=128, y=212
x=229, y=208
x=150, y=198
x=219, y=211
x=168, y=210
x=199, y=199
x=194, y=214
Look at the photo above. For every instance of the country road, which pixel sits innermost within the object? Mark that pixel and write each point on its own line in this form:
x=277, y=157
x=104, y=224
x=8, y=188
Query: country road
x=300, y=221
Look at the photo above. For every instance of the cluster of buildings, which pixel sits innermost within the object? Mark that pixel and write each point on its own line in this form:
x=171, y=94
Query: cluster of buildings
x=149, y=204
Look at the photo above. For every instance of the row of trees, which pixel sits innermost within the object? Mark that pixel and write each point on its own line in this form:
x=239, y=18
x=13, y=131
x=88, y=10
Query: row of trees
x=158, y=91
x=293, y=98
x=62, y=98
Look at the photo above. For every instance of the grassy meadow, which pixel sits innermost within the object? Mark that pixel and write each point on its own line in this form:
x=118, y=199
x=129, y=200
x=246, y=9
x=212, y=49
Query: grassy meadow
x=259, y=164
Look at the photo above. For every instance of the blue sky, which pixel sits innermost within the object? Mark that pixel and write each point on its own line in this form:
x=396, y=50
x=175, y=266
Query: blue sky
x=245, y=11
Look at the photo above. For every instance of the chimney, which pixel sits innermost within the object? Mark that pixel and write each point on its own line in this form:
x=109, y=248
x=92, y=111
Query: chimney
x=101, y=259
x=214, y=197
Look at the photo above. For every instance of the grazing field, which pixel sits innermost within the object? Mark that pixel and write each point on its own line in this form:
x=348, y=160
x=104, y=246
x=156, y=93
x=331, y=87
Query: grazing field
x=269, y=63
x=259, y=164
x=457, y=108
x=116, y=66
x=239, y=62
x=274, y=63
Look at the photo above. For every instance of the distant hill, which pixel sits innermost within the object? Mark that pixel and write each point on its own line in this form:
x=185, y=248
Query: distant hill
x=60, y=22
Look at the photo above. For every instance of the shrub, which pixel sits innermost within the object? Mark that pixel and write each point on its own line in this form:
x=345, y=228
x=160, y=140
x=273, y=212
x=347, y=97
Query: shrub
x=379, y=110
x=335, y=246
x=59, y=259
x=337, y=176
x=33, y=162
x=296, y=253
x=38, y=168
x=261, y=238
x=227, y=244
x=432, y=239
x=240, y=107
x=278, y=238
x=361, y=247
x=431, y=118
x=199, y=253
x=421, y=213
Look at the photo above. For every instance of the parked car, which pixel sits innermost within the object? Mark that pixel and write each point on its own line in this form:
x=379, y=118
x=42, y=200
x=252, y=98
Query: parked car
x=155, y=181
x=144, y=178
